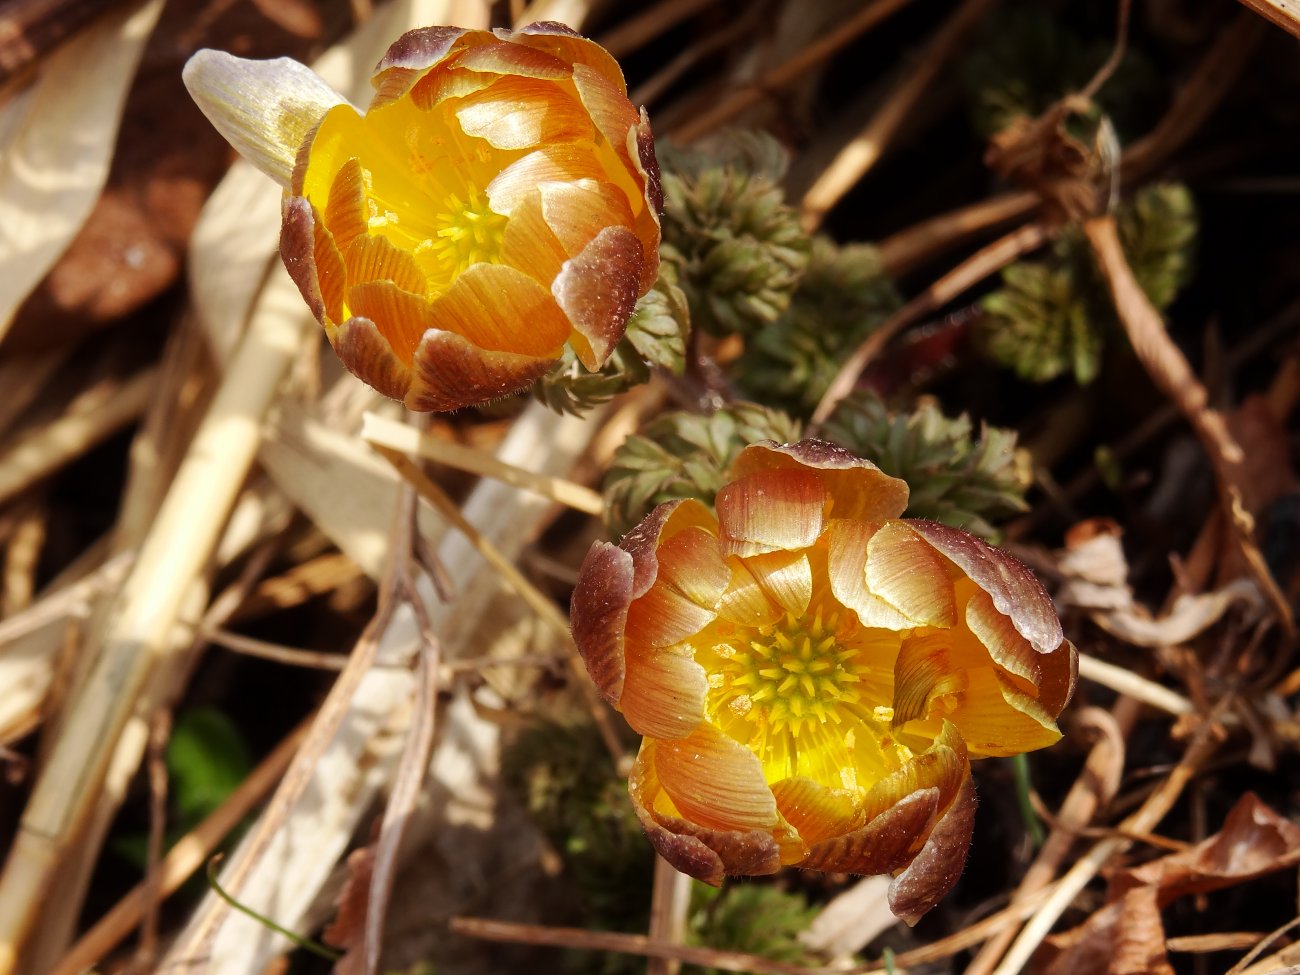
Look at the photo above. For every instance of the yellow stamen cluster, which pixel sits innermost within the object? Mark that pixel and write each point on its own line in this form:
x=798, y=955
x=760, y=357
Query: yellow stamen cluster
x=468, y=232
x=789, y=676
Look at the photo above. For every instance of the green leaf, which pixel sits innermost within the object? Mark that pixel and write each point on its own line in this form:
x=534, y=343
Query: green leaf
x=206, y=761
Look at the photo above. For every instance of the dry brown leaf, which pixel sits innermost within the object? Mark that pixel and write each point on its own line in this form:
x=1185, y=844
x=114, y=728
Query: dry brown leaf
x=347, y=930
x=1126, y=937
x=59, y=138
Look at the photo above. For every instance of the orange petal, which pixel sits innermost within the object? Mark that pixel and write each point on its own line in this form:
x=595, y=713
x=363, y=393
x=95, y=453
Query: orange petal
x=609, y=109
x=325, y=152
x=597, y=291
x=904, y=571
x=647, y=220
x=770, y=510
x=515, y=60
x=451, y=372
x=299, y=242
x=598, y=615
x=925, y=672
x=562, y=163
x=571, y=48
x=690, y=577
x=943, y=766
x=857, y=488
x=846, y=563
x=411, y=56
x=400, y=316
x=499, y=308
x=375, y=259
x=715, y=782
x=366, y=354
x=1013, y=588
x=744, y=602
x=817, y=812
x=934, y=870
x=1051, y=674
x=449, y=81
x=519, y=113
x=576, y=212
x=529, y=244
x=697, y=851
x=642, y=542
x=663, y=695
x=346, y=212
x=883, y=845
x=786, y=577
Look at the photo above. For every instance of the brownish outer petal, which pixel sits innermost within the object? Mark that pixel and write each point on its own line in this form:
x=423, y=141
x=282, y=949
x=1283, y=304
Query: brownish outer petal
x=1052, y=675
x=706, y=854
x=1015, y=591
x=597, y=291
x=858, y=489
x=886, y=843
x=298, y=251
x=568, y=45
x=366, y=354
x=598, y=615
x=936, y=868
x=642, y=541
x=450, y=372
x=410, y=56
x=649, y=163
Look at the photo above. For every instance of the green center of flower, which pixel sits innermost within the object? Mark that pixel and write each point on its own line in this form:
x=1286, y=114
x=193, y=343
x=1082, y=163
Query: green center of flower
x=467, y=232
x=792, y=674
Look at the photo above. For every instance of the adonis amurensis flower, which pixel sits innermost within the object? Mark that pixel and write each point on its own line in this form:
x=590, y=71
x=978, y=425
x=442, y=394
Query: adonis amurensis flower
x=498, y=200
x=812, y=674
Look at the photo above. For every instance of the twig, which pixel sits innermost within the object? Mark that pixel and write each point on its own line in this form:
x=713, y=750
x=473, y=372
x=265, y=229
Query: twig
x=536, y=600
x=393, y=436
x=974, y=269
x=1172, y=375
x=50, y=447
x=160, y=731
x=780, y=76
x=649, y=24
x=853, y=161
x=1281, y=12
x=670, y=900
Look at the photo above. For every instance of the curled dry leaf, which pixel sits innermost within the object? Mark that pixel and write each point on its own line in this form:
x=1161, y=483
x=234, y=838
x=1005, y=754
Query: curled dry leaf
x=1126, y=937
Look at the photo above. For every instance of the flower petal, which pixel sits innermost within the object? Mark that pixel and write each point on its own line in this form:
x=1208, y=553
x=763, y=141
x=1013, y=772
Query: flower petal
x=857, y=488
x=884, y=844
x=572, y=48
x=846, y=562
x=265, y=109
x=576, y=212
x=489, y=304
x=1052, y=675
x=371, y=258
x=451, y=372
x=663, y=695
x=715, y=782
x=697, y=851
x=299, y=242
x=1015, y=591
x=769, y=510
x=366, y=354
x=515, y=60
x=787, y=579
x=401, y=316
x=520, y=113
x=410, y=57
x=927, y=677
x=904, y=571
x=597, y=291
x=561, y=163
x=529, y=244
x=936, y=868
x=690, y=577
x=598, y=616
x=745, y=602
x=345, y=212
x=817, y=812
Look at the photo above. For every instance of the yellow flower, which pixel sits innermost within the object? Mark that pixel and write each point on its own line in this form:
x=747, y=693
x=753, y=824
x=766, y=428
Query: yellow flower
x=497, y=200
x=811, y=674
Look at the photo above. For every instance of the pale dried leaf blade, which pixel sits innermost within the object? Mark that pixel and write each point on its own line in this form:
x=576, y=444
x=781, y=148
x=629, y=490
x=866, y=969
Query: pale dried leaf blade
x=56, y=155
x=265, y=109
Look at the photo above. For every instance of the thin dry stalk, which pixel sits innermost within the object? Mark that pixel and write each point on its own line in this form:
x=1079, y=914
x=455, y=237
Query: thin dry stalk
x=780, y=76
x=510, y=574
x=921, y=242
x=23, y=379
x=862, y=153
x=49, y=447
x=649, y=24
x=1096, y=785
x=136, y=638
x=1283, y=13
x=1144, y=820
x=670, y=901
x=649, y=90
x=1173, y=376
x=313, y=578
x=160, y=732
x=974, y=269
x=22, y=557
x=408, y=779
x=275, y=652
x=393, y=436
x=188, y=854
x=1124, y=681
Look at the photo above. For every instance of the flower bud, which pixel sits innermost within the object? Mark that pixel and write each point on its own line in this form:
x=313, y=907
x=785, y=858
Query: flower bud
x=496, y=202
